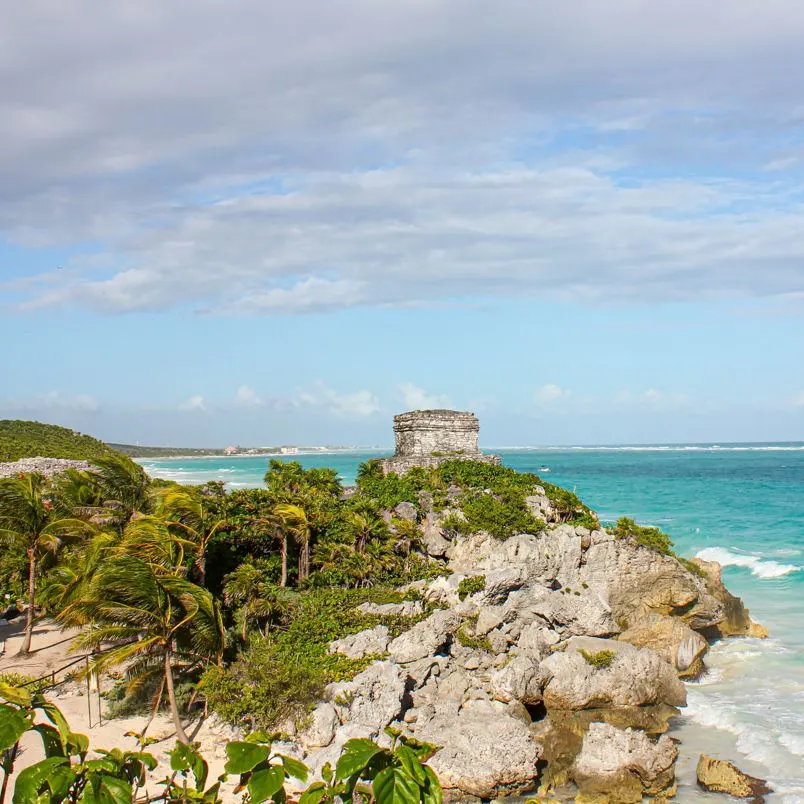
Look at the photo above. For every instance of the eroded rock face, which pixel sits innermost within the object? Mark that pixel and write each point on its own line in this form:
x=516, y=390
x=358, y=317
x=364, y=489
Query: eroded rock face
x=625, y=764
x=364, y=643
x=672, y=639
x=736, y=621
x=485, y=752
x=426, y=638
x=518, y=674
x=635, y=677
x=719, y=776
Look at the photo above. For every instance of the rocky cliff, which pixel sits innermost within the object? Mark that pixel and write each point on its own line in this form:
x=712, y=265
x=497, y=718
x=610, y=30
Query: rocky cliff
x=547, y=662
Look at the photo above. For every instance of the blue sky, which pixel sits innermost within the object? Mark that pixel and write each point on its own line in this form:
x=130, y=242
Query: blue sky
x=235, y=222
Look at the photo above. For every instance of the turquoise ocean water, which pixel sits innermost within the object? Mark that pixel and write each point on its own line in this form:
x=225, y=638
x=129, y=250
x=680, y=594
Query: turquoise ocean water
x=741, y=505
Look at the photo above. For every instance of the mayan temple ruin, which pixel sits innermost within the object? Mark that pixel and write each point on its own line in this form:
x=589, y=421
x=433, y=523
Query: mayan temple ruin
x=430, y=437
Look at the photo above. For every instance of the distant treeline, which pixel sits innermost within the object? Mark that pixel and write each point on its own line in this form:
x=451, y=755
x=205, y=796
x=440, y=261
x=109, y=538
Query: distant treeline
x=23, y=439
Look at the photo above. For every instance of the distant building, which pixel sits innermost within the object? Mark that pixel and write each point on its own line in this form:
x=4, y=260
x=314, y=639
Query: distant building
x=230, y=451
x=289, y=450
x=430, y=437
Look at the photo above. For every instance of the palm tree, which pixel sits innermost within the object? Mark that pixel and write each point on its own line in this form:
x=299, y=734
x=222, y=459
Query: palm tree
x=364, y=525
x=26, y=519
x=257, y=598
x=187, y=511
x=298, y=524
x=152, y=617
x=124, y=486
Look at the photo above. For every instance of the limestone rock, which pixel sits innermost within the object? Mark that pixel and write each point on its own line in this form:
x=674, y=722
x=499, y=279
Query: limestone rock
x=536, y=640
x=736, y=621
x=485, y=752
x=410, y=608
x=636, y=677
x=434, y=541
x=426, y=638
x=568, y=613
x=406, y=510
x=372, y=699
x=519, y=680
x=363, y=643
x=720, y=776
x=672, y=639
x=323, y=722
x=624, y=765
x=489, y=618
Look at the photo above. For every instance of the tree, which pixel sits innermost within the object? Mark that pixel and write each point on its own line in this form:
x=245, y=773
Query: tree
x=26, y=520
x=364, y=525
x=296, y=521
x=189, y=512
x=247, y=588
x=124, y=486
x=139, y=602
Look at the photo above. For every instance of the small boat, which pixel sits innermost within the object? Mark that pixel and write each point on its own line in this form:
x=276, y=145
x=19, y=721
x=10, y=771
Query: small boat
x=544, y=469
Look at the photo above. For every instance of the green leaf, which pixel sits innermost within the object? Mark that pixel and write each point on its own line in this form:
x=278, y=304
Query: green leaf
x=243, y=757
x=410, y=762
x=115, y=791
x=259, y=737
x=51, y=740
x=186, y=757
x=265, y=783
x=59, y=781
x=13, y=724
x=30, y=780
x=295, y=768
x=395, y=786
x=327, y=773
x=313, y=794
x=356, y=755
x=432, y=791
x=15, y=695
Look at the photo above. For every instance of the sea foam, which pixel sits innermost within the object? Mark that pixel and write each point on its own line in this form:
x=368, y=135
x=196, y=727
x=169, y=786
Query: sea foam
x=760, y=567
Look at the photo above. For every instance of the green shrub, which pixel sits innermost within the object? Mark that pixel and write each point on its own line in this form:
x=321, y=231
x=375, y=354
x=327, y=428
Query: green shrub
x=600, y=660
x=25, y=439
x=472, y=641
x=471, y=585
x=649, y=537
x=503, y=515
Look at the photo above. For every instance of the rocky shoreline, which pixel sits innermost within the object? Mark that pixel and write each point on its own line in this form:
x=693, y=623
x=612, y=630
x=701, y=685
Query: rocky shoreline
x=558, y=673
x=44, y=466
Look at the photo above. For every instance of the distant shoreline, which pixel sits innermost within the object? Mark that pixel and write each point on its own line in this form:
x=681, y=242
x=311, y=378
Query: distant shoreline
x=333, y=451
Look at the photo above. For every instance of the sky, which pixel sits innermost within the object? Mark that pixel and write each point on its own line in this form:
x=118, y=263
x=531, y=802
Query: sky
x=239, y=222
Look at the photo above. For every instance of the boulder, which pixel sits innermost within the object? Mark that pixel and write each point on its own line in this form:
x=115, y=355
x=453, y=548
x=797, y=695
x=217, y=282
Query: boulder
x=624, y=765
x=434, y=541
x=364, y=643
x=635, y=677
x=372, y=699
x=426, y=638
x=406, y=510
x=489, y=618
x=568, y=613
x=719, y=776
x=485, y=751
x=518, y=680
x=410, y=608
x=736, y=620
x=536, y=640
x=321, y=729
x=672, y=639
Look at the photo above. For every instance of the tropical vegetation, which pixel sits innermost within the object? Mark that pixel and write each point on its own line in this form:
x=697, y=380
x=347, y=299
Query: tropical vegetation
x=24, y=439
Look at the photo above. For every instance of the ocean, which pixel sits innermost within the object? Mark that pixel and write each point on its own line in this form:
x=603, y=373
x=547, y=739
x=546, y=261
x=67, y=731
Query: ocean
x=739, y=504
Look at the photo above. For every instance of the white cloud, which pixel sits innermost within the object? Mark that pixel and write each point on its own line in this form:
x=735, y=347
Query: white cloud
x=53, y=400
x=416, y=398
x=196, y=402
x=550, y=394
x=247, y=396
x=356, y=404
x=513, y=152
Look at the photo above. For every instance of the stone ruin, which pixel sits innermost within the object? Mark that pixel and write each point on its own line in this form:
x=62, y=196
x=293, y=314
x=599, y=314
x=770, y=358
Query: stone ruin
x=430, y=437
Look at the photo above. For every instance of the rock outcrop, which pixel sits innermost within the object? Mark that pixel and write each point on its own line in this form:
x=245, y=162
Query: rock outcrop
x=719, y=776
x=44, y=466
x=561, y=667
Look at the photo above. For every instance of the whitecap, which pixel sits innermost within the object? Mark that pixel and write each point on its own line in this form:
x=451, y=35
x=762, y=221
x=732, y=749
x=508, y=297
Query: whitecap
x=760, y=567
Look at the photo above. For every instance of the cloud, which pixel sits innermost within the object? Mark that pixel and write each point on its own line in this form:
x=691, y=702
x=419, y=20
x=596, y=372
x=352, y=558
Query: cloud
x=247, y=396
x=550, y=394
x=416, y=398
x=196, y=402
x=357, y=404
x=53, y=400
x=261, y=162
